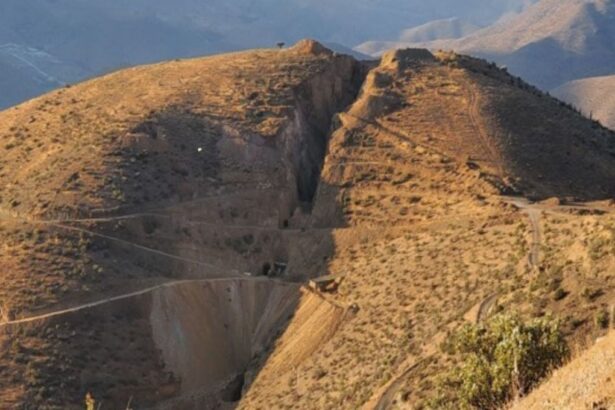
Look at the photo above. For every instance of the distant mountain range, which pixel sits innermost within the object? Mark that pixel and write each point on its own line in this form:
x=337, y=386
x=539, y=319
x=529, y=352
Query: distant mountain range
x=46, y=43
x=451, y=28
x=439, y=29
x=550, y=43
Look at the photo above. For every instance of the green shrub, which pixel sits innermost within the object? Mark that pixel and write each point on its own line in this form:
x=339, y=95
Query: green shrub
x=500, y=359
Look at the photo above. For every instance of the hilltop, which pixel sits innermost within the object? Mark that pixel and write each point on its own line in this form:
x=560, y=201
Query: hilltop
x=160, y=224
x=181, y=170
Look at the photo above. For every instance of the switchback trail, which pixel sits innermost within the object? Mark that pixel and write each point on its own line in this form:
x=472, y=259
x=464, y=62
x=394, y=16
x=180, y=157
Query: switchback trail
x=384, y=398
x=141, y=247
x=387, y=399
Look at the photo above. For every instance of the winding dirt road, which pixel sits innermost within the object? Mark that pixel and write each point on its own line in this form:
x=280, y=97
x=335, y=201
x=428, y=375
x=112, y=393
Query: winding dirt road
x=485, y=307
x=534, y=213
x=387, y=399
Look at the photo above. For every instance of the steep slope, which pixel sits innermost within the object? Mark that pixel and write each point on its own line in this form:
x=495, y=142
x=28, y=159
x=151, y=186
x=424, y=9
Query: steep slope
x=416, y=169
x=595, y=97
x=584, y=383
x=550, y=43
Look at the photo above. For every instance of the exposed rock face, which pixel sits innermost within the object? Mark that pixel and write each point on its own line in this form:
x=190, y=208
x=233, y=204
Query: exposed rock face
x=209, y=333
x=304, y=140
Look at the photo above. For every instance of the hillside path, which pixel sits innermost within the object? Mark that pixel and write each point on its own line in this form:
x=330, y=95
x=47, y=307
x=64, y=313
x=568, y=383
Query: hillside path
x=485, y=307
x=151, y=289
x=475, y=119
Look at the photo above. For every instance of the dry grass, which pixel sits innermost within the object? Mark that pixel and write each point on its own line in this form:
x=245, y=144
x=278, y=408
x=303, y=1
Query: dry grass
x=585, y=383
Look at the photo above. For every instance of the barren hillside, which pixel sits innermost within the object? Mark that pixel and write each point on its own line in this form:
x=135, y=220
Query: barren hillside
x=159, y=225
x=437, y=30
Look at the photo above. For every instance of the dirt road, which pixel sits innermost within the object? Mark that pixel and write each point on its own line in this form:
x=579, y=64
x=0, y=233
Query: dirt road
x=534, y=212
x=112, y=299
x=485, y=307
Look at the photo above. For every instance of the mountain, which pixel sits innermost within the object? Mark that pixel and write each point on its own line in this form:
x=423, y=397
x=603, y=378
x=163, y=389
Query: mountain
x=550, y=43
x=288, y=228
x=595, y=97
x=240, y=137
x=256, y=23
x=90, y=38
x=20, y=80
x=438, y=29
x=450, y=28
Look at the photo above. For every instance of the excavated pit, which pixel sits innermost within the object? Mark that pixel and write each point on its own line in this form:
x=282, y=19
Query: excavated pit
x=209, y=332
x=212, y=335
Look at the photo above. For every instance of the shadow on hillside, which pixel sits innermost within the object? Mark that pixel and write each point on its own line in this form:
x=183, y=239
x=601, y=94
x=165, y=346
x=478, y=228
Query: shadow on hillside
x=200, y=201
x=553, y=150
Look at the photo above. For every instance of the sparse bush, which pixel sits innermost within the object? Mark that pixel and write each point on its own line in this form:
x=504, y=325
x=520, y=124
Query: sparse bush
x=559, y=294
x=591, y=294
x=500, y=359
x=603, y=319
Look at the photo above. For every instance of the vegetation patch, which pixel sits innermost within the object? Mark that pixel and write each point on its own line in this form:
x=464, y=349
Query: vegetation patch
x=499, y=360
